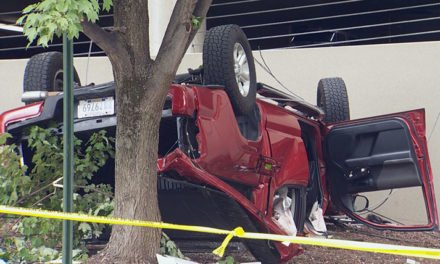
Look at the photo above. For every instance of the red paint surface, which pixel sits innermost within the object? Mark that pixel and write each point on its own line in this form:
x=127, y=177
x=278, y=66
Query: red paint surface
x=226, y=156
x=182, y=164
x=20, y=114
x=183, y=100
x=224, y=152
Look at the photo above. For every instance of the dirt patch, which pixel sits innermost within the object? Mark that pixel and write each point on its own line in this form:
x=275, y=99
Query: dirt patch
x=314, y=254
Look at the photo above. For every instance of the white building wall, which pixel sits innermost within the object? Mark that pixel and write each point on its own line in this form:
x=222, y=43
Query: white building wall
x=380, y=79
x=158, y=12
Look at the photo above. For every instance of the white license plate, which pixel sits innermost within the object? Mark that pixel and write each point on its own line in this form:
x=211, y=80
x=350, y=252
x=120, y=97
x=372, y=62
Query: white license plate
x=96, y=107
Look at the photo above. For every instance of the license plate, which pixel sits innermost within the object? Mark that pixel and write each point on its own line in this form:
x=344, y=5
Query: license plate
x=96, y=107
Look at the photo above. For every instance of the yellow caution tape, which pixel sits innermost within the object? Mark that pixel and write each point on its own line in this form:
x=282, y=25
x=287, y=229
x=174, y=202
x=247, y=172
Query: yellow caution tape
x=237, y=232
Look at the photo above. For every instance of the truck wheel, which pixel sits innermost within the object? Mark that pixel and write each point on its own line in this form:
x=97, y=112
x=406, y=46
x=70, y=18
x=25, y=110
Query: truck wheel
x=44, y=72
x=228, y=61
x=333, y=99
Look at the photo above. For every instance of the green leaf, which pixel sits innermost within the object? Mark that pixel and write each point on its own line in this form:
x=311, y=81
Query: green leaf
x=227, y=260
x=52, y=27
x=43, y=41
x=92, y=16
x=4, y=137
x=20, y=20
x=34, y=19
x=45, y=5
x=63, y=23
x=37, y=241
x=196, y=22
x=29, y=8
x=84, y=227
x=76, y=252
x=31, y=34
x=95, y=5
x=107, y=4
x=13, y=197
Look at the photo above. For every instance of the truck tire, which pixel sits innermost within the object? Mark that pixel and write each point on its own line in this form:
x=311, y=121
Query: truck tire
x=228, y=62
x=44, y=72
x=332, y=97
x=263, y=250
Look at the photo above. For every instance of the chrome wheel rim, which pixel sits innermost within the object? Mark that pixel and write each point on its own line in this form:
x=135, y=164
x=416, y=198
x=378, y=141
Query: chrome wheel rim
x=241, y=69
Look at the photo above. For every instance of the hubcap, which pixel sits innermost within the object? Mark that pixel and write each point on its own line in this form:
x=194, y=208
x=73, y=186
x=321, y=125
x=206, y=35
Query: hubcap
x=241, y=69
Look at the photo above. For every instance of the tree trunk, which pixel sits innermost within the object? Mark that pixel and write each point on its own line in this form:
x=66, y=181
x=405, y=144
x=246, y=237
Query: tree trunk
x=141, y=88
x=139, y=103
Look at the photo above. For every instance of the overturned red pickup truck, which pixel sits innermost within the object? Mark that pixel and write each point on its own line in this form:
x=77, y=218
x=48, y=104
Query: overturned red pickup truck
x=269, y=163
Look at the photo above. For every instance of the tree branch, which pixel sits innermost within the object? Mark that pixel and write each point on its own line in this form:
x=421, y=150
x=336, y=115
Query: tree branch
x=133, y=16
x=180, y=32
x=108, y=42
x=200, y=10
x=180, y=19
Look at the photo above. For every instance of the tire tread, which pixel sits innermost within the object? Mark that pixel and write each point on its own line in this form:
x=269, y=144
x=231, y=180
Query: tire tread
x=333, y=98
x=40, y=70
x=218, y=65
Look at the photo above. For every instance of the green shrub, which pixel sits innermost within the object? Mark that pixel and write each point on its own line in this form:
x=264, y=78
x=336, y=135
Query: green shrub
x=35, y=239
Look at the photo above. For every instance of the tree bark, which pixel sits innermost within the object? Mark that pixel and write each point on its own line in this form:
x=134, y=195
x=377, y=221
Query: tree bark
x=138, y=117
x=141, y=88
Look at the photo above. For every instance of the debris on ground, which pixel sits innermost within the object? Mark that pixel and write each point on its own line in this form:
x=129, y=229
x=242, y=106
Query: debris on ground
x=315, y=254
x=172, y=260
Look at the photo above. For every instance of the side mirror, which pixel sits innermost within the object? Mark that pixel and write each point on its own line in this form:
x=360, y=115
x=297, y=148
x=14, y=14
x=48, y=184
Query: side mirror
x=360, y=203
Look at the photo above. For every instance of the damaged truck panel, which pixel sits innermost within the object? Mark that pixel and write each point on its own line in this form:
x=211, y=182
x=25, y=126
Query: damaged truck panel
x=272, y=163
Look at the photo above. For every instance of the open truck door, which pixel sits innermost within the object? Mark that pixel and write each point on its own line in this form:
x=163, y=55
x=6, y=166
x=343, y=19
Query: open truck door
x=379, y=171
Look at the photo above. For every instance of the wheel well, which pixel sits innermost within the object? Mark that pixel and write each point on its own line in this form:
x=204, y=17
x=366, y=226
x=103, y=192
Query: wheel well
x=314, y=193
